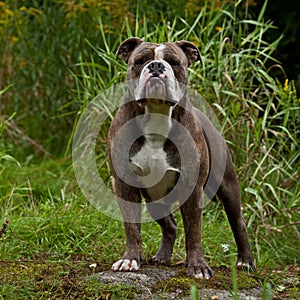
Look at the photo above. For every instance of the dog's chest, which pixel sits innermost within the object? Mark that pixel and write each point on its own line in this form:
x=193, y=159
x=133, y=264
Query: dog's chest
x=151, y=162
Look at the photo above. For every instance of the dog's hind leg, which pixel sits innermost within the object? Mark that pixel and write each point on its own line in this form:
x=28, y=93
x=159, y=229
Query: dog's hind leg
x=192, y=220
x=168, y=227
x=229, y=194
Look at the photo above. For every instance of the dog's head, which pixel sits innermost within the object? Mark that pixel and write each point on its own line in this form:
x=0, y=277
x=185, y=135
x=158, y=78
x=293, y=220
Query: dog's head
x=157, y=71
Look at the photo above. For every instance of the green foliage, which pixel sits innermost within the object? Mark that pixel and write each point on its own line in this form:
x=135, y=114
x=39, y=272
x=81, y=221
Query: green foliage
x=41, y=43
x=194, y=293
x=4, y=157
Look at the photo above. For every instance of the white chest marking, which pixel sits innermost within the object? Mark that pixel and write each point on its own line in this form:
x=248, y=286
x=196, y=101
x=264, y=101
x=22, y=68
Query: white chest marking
x=150, y=163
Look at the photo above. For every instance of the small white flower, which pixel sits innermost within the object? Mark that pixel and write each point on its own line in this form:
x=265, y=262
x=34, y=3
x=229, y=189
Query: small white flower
x=94, y=265
x=225, y=247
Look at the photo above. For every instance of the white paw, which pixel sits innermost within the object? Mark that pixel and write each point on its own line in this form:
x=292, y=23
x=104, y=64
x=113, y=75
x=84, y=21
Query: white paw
x=200, y=272
x=247, y=265
x=203, y=275
x=125, y=265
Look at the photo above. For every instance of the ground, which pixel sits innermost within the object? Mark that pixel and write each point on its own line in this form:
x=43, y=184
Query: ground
x=77, y=279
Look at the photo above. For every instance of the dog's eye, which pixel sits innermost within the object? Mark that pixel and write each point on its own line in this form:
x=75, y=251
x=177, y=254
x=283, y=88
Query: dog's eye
x=174, y=63
x=139, y=62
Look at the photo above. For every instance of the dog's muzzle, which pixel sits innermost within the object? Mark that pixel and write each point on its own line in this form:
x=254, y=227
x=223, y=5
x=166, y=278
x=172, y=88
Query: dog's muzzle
x=157, y=84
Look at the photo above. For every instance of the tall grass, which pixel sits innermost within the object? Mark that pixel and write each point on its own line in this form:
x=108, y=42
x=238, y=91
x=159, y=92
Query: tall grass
x=258, y=114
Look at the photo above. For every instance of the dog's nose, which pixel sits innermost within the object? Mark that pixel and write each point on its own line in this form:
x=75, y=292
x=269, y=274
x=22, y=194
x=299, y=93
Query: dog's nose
x=156, y=68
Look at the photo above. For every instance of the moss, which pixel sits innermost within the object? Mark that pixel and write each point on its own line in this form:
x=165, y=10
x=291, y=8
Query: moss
x=55, y=280
x=116, y=291
x=60, y=280
x=247, y=281
x=184, y=283
x=222, y=280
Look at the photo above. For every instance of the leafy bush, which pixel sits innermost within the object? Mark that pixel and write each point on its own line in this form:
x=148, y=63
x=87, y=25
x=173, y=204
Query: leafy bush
x=40, y=44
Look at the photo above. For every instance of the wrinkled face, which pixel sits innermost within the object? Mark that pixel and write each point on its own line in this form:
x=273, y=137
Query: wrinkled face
x=159, y=72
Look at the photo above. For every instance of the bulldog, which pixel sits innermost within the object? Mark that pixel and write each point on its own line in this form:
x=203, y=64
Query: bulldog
x=165, y=150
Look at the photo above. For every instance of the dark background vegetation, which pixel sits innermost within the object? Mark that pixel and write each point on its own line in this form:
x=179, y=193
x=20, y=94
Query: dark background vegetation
x=285, y=16
x=41, y=43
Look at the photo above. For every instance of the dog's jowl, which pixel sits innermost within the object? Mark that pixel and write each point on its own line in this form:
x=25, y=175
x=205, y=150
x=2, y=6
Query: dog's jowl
x=165, y=150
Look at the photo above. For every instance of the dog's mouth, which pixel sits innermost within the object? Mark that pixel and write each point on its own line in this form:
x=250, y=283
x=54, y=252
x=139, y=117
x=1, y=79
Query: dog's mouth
x=155, y=92
x=154, y=101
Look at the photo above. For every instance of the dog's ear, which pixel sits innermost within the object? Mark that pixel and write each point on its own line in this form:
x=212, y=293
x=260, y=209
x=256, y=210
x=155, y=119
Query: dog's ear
x=191, y=51
x=127, y=47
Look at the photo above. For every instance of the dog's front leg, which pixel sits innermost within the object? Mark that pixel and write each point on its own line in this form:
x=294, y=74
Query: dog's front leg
x=191, y=212
x=129, y=200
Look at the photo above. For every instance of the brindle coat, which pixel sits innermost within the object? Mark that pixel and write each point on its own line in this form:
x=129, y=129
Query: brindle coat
x=209, y=143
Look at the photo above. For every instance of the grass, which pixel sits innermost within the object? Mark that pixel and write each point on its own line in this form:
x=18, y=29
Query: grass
x=54, y=235
x=50, y=232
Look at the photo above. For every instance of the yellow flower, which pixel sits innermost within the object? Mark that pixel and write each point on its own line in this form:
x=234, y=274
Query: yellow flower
x=286, y=86
x=9, y=12
x=218, y=28
x=14, y=39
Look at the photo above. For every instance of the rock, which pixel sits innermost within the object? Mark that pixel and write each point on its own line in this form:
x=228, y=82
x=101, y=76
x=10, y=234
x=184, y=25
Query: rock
x=143, y=279
x=146, y=281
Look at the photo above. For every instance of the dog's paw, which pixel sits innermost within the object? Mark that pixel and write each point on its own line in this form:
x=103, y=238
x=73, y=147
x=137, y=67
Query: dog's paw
x=157, y=260
x=125, y=265
x=202, y=271
x=245, y=264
